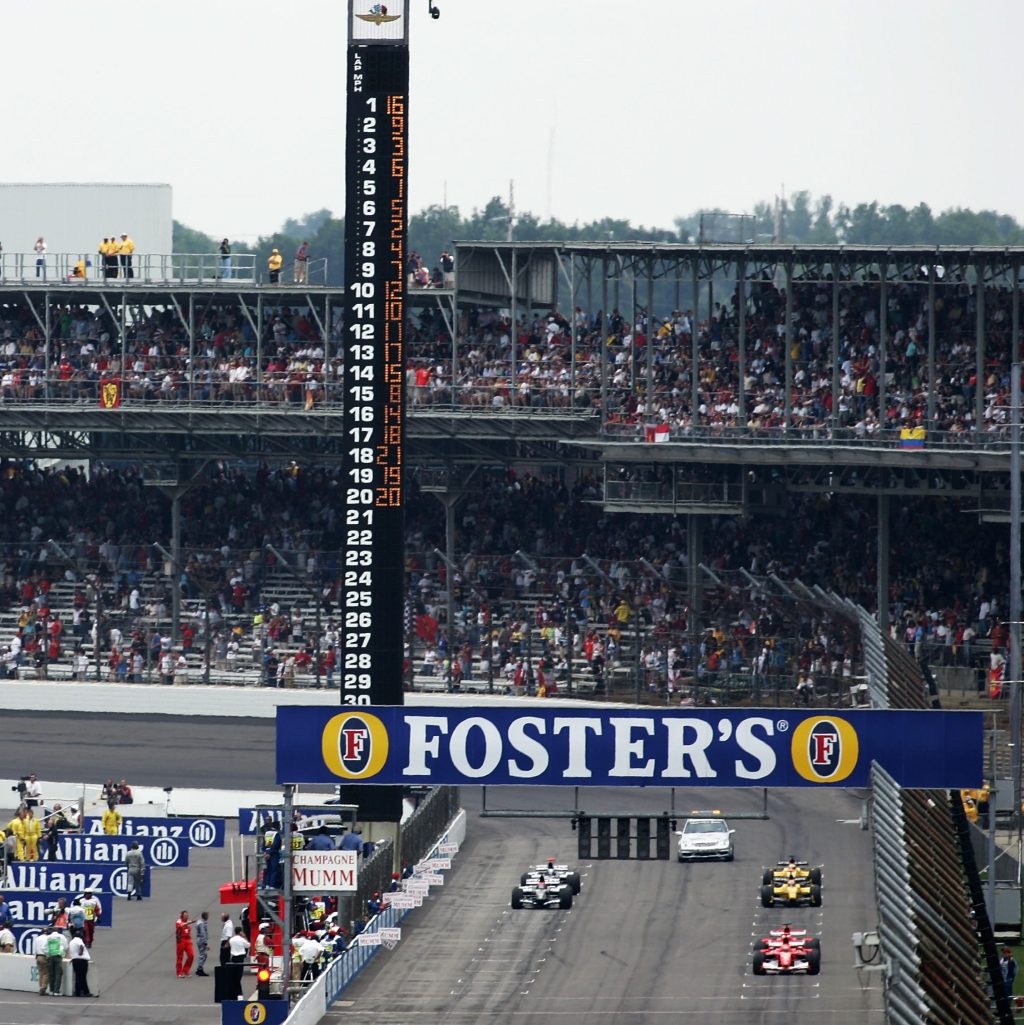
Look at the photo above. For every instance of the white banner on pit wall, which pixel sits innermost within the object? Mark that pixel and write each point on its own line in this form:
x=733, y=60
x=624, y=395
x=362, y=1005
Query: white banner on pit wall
x=434, y=865
x=324, y=871
x=417, y=885
x=433, y=878
x=405, y=901
x=390, y=936
x=368, y=939
x=448, y=848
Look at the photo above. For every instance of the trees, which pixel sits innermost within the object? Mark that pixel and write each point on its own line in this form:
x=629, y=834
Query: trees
x=800, y=218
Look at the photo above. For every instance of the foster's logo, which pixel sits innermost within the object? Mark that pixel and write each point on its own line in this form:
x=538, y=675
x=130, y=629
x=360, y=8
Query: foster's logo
x=825, y=749
x=355, y=745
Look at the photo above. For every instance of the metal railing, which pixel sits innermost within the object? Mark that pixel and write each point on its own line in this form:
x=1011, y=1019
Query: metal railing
x=675, y=492
x=90, y=269
x=818, y=435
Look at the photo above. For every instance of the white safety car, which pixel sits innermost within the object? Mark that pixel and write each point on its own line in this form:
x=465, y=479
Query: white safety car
x=705, y=838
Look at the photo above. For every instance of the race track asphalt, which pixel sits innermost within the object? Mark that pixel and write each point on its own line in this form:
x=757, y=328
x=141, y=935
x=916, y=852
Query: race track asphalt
x=159, y=750
x=645, y=942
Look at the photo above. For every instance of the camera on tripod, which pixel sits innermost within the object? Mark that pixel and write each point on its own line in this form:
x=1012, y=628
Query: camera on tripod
x=21, y=786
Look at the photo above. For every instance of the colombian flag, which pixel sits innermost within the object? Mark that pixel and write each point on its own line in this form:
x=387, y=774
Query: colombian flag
x=912, y=437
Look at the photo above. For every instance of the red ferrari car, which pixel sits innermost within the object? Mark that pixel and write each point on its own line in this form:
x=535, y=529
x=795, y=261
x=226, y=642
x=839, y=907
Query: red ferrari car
x=788, y=951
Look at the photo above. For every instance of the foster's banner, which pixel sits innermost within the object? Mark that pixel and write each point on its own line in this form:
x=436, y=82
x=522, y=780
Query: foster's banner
x=554, y=746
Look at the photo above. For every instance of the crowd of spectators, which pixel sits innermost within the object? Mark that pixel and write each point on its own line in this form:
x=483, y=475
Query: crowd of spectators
x=942, y=592
x=648, y=378
x=226, y=362
x=659, y=349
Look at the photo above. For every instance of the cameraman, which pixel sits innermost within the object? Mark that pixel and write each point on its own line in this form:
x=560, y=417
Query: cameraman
x=33, y=793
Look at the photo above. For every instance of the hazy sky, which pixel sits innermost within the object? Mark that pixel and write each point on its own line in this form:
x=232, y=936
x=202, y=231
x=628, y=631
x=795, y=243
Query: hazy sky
x=638, y=110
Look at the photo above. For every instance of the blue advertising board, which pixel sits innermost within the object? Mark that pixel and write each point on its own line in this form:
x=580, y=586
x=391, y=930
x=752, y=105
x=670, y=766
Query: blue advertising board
x=30, y=907
x=250, y=820
x=72, y=877
x=194, y=832
x=550, y=745
x=159, y=851
x=253, y=1012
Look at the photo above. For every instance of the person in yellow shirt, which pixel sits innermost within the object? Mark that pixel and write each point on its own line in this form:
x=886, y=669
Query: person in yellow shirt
x=33, y=831
x=274, y=262
x=16, y=829
x=111, y=820
x=109, y=266
x=124, y=250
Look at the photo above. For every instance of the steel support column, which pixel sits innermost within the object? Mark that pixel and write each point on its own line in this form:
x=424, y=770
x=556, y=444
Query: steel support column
x=741, y=312
x=882, y=564
x=602, y=343
x=649, y=388
x=979, y=351
x=787, y=401
x=694, y=354
x=514, y=309
x=1015, y=584
x=836, y=352
x=931, y=345
x=883, y=328
x=694, y=589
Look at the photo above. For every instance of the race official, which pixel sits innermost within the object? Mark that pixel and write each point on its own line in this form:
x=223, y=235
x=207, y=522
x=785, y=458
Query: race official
x=111, y=820
x=202, y=940
x=321, y=841
x=33, y=834
x=352, y=841
x=125, y=248
x=274, y=262
x=135, y=863
x=6, y=940
x=16, y=836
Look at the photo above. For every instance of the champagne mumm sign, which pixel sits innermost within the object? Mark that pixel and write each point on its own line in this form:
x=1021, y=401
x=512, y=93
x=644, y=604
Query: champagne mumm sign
x=324, y=871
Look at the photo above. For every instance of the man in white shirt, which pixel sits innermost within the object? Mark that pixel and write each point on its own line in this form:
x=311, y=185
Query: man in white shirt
x=238, y=947
x=40, y=949
x=78, y=952
x=226, y=932
x=310, y=951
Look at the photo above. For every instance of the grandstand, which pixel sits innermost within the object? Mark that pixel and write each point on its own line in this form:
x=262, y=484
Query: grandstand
x=215, y=408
